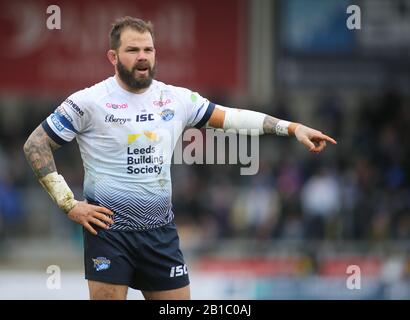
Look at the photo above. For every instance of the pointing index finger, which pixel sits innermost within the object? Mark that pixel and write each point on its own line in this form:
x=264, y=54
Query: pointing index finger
x=327, y=138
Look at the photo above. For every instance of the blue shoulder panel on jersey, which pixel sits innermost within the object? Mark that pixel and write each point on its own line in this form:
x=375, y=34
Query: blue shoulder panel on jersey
x=52, y=134
x=206, y=116
x=65, y=122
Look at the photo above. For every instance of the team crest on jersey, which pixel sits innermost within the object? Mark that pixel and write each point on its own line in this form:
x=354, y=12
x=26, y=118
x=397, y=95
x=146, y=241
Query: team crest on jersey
x=101, y=263
x=167, y=114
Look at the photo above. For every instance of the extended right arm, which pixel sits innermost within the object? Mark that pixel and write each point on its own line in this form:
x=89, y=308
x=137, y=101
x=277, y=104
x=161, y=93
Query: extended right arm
x=38, y=150
x=232, y=118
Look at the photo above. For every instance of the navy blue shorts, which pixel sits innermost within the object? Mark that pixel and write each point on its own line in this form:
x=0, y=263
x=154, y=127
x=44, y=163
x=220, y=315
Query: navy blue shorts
x=145, y=260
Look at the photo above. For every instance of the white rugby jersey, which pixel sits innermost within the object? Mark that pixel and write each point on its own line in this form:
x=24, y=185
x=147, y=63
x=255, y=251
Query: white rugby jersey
x=126, y=142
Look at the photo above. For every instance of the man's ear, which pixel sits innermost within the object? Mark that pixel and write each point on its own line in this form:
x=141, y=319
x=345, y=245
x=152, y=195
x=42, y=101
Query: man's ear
x=112, y=56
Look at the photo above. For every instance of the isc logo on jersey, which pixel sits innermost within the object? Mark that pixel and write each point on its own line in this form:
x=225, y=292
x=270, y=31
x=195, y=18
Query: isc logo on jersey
x=144, y=117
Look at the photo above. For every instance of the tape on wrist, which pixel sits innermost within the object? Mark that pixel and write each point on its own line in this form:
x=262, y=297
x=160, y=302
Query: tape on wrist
x=59, y=191
x=282, y=127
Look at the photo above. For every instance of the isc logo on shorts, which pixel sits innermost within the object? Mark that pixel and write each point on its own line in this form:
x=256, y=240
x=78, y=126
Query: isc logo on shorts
x=178, y=271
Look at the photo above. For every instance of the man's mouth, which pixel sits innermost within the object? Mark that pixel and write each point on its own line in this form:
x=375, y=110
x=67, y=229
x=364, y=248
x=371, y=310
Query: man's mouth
x=142, y=70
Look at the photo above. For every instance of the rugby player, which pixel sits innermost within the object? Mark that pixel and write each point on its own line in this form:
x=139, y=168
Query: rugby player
x=121, y=125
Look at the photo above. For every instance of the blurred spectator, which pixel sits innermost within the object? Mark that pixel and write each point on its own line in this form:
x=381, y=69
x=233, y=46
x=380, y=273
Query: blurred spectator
x=402, y=225
x=255, y=209
x=11, y=212
x=329, y=113
x=321, y=202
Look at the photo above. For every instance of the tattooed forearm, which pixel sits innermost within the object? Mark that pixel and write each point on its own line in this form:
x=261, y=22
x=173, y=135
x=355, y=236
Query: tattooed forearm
x=269, y=124
x=38, y=150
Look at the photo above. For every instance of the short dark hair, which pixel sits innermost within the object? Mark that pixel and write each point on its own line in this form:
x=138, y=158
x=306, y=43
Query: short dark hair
x=128, y=22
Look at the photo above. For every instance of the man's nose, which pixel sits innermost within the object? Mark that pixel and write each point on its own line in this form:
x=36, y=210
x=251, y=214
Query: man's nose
x=141, y=56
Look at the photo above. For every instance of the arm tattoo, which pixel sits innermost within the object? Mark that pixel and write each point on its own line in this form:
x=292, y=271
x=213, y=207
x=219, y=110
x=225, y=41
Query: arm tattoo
x=269, y=124
x=38, y=151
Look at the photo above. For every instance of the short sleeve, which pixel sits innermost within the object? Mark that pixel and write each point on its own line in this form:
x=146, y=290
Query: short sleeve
x=198, y=108
x=68, y=119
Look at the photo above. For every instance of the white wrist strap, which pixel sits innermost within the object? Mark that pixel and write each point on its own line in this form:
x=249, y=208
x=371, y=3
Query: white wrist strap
x=59, y=191
x=282, y=128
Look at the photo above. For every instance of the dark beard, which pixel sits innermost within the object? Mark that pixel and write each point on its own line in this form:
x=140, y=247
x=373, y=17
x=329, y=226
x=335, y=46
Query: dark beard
x=128, y=76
